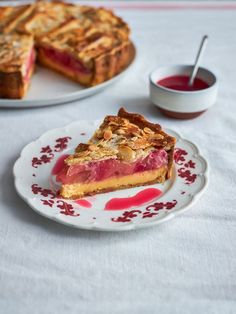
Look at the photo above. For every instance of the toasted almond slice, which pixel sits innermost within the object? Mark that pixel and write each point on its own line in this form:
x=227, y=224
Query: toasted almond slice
x=122, y=141
x=126, y=153
x=92, y=147
x=137, y=134
x=120, y=131
x=107, y=134
x=157, y=136
x=99, y=134
x=147, y=130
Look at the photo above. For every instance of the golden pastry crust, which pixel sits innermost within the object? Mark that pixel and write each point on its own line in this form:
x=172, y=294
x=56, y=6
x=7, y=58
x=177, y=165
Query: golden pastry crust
x=14, y=50
x=4, y=13
x=45, y=17
x=111, y=63
x=42, y=17
x=127, y=136
x=10, y=17
x=15, y=54
x=157, y=137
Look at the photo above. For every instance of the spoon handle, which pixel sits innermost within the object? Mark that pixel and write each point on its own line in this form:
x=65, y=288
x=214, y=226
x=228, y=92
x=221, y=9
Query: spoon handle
x=198, y=59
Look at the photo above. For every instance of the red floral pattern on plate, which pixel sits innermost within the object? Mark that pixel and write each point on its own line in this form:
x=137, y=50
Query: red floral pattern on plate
x=47, y=151
x=184, y=172
x=62, y=143
x=179, y=156
x=66, y=208
x=187, y=175
x=127, y=216
x=151, y=210
x=49, y=203
x=42, y=191
x=190, y=164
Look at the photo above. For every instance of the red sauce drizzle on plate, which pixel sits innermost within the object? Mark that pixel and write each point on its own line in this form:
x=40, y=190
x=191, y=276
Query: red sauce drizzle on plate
x=59, y=165
x=139, y=199
x=180, y=83
x=84, y=203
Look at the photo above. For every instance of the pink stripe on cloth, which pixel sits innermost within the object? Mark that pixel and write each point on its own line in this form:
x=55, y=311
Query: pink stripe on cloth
x=147, y=5
x=161, y=5
x=172, y=6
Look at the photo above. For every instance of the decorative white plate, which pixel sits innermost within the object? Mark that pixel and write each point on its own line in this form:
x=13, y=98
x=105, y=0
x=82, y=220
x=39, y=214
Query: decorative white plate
x=49, y=88
x=33, y=182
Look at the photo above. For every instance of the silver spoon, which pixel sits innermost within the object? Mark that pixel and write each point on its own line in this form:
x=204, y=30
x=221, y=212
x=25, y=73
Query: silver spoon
x=198, y=59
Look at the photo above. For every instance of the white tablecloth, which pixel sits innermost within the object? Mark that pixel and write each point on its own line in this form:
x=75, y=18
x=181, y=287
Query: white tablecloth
x=187, y=265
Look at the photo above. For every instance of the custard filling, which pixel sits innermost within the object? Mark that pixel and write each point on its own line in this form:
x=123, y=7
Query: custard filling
x=140, y=178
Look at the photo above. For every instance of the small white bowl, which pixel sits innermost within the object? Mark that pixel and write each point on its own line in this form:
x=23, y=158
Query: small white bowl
x=182, y=104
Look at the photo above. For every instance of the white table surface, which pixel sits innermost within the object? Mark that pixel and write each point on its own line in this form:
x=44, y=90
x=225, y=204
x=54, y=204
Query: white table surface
x=187, y=265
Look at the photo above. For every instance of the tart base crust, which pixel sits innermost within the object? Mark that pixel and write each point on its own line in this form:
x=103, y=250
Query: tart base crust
x=78, y=190
x=13, y=86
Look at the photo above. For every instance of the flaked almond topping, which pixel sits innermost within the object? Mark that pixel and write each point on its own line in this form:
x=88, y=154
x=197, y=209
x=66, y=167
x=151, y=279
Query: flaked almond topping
x=15, y=44
x=138, y=135
x=157, y=136
x=4, y=58
x=101, y=142
x=140, y=143
x=98, y=134
x=113, y=123
x=92, y=147
x=81, y=147
x=120, y=131
x=125, y=121
x=123, y=141
x=107, y=134
x=126, y=153
x=147, y=130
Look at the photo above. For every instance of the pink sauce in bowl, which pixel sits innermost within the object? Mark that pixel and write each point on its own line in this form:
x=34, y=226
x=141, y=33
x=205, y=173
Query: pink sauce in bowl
x=180, y=83
x=170, y=92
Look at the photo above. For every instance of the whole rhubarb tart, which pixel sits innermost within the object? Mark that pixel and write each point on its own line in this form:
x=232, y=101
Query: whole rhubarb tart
x=125, y=151
x=86, y=44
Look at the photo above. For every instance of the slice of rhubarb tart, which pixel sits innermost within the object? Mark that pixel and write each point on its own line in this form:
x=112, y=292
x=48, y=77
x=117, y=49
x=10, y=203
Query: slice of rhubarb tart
x=126, y=151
